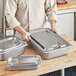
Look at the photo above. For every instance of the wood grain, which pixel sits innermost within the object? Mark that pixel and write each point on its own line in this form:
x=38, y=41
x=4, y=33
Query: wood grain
x=47, y=65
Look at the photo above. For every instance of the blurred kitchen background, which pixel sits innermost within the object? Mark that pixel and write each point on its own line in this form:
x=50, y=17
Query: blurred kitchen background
x=65, y=20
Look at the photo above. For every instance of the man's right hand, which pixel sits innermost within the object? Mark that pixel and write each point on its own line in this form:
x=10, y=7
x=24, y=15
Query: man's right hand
x=26, y=37
x=24, y=34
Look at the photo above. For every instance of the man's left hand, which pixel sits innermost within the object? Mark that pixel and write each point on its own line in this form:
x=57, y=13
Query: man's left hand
x=52, y=23
x=55, y=30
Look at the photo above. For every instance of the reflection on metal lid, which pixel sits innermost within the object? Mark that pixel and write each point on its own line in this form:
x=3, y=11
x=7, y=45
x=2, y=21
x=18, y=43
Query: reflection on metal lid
x=24, y=62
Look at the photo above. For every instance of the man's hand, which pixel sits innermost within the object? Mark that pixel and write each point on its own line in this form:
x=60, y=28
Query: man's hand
x=55, y=30
x=52, y=23
x=25, y=35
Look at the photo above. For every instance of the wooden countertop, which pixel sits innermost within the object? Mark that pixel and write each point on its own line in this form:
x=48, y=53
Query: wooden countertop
x=71, y=4
x=47, y=65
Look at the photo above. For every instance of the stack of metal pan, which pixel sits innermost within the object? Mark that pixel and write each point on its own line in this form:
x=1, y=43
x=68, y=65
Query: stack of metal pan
x=11, y=47
x=24, y=62
x=48, y=43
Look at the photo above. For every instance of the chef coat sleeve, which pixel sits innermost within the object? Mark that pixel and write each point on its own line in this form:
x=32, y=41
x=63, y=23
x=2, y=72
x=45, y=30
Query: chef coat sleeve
x=51, y=9
x=10, y=11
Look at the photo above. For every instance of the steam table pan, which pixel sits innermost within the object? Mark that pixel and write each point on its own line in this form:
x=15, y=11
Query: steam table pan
x=24, y=62
x=48, y=43
x=11, y=47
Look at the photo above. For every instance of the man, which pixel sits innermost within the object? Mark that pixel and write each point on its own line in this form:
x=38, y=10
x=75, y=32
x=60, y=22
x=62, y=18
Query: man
x=26, y=15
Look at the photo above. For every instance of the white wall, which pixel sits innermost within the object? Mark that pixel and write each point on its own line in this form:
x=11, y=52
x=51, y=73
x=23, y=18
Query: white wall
x=1, y=2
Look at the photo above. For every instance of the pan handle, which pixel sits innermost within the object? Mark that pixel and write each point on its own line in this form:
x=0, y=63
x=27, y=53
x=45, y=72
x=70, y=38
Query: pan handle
x=37, y=42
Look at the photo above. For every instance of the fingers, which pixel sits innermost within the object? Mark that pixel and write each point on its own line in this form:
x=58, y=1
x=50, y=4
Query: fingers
x=55, y=31
x=26, y=37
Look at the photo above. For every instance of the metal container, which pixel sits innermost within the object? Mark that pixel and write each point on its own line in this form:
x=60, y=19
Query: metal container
x=11, y=47
x=24, y=62
x=61, y=2
x=48, y=43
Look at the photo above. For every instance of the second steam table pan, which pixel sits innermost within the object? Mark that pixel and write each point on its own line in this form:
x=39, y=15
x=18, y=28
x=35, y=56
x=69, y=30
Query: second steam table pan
x=48, y=44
